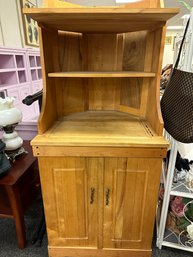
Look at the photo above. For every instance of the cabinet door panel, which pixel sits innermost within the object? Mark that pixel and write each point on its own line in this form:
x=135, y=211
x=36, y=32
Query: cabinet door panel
x=129, y=215
x=70, y=199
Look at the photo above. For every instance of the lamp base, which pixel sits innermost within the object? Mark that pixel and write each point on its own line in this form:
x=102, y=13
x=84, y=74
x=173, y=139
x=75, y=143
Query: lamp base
x=13, y=154
x=12, y=141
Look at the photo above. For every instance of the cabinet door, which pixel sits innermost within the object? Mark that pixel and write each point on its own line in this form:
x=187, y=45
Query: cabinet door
x=70, y=194
x=130, y=194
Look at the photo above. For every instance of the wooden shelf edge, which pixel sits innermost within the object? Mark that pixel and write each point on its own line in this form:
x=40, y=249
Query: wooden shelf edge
x=110, y=74
x=155, y=142
x=102, y=10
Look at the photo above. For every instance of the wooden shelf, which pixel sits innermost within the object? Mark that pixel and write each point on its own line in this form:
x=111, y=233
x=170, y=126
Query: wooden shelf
x=102, y=74
x=112, y=19
x=101, y=128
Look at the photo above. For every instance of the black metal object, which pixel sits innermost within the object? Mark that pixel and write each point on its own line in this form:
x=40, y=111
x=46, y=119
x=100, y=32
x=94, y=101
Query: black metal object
x=30, y=99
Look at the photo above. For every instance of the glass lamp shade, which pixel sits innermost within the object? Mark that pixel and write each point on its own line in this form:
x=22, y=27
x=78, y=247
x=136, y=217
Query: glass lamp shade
x=8, y=113
x=10, y=116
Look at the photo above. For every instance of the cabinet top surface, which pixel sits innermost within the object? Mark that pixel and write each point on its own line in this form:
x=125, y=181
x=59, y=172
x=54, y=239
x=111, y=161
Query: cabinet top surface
x=101, y=128
x=113, y=19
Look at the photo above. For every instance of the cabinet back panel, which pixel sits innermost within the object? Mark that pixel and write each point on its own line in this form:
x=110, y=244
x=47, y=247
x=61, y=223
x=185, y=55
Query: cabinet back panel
x=134, y=51
x=81, y=94
x=130, y=92
x=72, y=96
x=96, y=52
x=101, y=52
x=70, y=51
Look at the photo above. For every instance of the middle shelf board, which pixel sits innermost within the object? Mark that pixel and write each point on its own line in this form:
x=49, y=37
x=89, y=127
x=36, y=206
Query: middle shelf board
x=102, y=74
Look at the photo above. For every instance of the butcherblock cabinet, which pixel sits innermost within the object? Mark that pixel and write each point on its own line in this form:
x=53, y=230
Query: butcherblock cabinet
x=100, y=143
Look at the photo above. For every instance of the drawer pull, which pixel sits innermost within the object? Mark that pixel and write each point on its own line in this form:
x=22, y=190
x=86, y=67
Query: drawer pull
x=92, y=191
x=107, y=196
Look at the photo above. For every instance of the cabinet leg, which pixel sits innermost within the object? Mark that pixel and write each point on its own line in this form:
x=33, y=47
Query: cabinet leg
x=17, y=210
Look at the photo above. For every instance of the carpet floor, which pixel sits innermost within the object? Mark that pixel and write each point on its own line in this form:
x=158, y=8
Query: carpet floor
x=8, y=242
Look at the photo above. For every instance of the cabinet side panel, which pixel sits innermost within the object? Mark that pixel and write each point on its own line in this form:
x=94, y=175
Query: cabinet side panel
x=102, y=53
x=49, y=62
x=133, y=59
x=153, y=113
x=72, y=94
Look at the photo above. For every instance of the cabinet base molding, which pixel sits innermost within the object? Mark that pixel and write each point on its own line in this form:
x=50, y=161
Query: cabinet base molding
x=86, y=252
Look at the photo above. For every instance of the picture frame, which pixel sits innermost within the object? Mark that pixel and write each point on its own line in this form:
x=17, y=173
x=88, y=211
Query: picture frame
x=29, y=25
x=168, y=40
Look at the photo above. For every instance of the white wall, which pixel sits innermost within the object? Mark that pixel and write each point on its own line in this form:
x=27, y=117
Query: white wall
x=11, y=25
x=168, y=49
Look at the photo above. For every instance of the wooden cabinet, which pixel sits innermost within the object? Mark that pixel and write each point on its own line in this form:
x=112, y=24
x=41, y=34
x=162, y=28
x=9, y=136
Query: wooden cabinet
x=100, y=143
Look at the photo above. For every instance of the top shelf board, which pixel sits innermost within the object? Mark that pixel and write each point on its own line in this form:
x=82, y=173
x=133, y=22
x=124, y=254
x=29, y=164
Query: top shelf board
x=103, y=20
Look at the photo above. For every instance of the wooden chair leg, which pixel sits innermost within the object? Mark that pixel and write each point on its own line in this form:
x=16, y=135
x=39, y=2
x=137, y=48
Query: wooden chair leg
x=17, y=210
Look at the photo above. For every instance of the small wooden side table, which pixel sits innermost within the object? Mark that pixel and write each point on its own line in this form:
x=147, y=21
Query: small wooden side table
x=18, y=189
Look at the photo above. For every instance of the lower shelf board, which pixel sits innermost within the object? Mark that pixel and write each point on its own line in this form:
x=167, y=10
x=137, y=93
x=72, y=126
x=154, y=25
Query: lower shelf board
x=180, y=189
x=55, y=251
x=178, y=241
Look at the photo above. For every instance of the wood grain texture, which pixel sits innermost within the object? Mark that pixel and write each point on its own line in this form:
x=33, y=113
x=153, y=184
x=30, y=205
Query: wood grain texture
x=71, y=218
x=70, y=51
x=72, y=96
x=89, y=252
x=52, y=150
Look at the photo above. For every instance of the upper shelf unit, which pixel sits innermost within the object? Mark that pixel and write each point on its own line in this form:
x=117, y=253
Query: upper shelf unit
x=101, y=20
